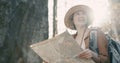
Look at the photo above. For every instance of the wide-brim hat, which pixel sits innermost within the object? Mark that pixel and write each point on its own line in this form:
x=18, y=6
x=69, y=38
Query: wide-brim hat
x=74, y=9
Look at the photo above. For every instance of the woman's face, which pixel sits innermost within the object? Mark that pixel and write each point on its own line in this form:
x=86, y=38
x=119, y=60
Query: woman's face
x=80, y=18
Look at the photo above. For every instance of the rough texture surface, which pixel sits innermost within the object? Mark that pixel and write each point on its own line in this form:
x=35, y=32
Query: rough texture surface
x=22, y=22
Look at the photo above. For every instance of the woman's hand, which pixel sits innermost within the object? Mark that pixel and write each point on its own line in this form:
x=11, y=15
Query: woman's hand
x=86, y=54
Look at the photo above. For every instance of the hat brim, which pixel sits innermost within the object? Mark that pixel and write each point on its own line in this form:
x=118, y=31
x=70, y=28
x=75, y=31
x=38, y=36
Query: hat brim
x=71, y=11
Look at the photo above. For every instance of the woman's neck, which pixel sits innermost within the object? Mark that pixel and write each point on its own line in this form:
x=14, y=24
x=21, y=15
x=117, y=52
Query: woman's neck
x=81, y=30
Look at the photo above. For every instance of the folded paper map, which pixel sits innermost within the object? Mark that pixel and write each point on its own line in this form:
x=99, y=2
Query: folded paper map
x=60, y=49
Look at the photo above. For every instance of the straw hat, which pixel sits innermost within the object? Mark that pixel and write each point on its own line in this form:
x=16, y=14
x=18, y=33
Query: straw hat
x=69, y=23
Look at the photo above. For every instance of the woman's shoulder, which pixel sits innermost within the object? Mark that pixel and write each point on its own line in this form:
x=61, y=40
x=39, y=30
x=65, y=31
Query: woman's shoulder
x=96, y=29
x=99, y=33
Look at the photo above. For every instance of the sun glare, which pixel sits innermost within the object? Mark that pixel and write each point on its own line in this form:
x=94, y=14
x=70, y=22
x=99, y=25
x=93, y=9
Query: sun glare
x=100, y=12
x=99, y=8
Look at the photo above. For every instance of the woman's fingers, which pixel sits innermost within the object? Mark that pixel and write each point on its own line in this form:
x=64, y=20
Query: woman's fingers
x=86, y=54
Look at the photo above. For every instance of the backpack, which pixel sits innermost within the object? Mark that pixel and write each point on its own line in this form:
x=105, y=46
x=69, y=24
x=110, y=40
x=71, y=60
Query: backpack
x=113, y=46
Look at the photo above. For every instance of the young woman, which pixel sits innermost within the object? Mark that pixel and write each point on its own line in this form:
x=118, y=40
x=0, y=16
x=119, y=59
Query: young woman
x=79, y=18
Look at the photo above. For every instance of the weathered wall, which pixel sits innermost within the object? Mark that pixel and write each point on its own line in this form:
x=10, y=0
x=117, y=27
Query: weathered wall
x=22, y=22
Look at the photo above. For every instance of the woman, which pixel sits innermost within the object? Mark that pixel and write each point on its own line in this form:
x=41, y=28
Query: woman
x=79, y=18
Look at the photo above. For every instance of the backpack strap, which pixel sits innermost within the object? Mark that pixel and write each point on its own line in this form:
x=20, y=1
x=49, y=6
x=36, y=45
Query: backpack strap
x=93, y=40
x=113, y=49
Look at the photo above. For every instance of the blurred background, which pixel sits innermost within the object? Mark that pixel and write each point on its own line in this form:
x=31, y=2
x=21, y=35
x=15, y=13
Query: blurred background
x=25, y=22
